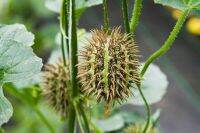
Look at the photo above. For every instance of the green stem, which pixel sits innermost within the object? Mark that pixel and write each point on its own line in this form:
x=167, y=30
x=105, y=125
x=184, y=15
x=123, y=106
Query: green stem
x=63, y=50
x=64, y=28
x=147, y=108
x=66, y=10
x=43, y=118
x=73, y=63
x=73, y=46
x=84, y=118
x=105, y=15
x=136, y=15
x=125, y=16
x=71, y=119
x=79, y=120
x=168, y=43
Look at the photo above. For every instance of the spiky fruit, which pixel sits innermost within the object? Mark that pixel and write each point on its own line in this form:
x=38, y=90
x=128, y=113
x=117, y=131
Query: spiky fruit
x=138, y=128
x=109, y=65
x=56, y=88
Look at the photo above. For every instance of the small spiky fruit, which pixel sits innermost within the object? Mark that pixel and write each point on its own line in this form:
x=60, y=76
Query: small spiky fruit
x=55, y=87
x=138, y=128
x=109, y=65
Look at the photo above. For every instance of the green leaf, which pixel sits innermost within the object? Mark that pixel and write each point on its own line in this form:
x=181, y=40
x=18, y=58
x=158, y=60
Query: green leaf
x=17, y=60
x=113, y=123
x=130, y=116
x=180, y=4
x=18, y=33
x=6, y=109
x=55, y=5
x=153, y=86
x=34, y=80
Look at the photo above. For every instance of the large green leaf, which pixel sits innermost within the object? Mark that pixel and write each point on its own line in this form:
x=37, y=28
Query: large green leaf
x=18, y=33
x=55, y=5
x=17, y=60
x=6, y=109
x=180, y=4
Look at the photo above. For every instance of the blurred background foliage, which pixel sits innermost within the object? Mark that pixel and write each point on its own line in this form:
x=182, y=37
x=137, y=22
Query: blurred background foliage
x=37, y=18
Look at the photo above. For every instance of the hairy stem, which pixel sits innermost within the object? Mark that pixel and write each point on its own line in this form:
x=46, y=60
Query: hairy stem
x=168, y=43
x=135, y=15
x=73, y=63
x=125, y=16
x=105, y=15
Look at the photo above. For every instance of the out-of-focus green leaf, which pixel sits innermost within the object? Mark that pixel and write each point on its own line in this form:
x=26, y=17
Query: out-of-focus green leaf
x=55, y=5
x=32, y=123
x=56, y=53
x=113, y=123
x=130, y=116
x=39, y=8
x=153, y=86
x=3, y=4
x=181, y=4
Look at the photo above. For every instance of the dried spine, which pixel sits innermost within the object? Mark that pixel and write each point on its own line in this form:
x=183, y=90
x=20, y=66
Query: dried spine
x=110, y=65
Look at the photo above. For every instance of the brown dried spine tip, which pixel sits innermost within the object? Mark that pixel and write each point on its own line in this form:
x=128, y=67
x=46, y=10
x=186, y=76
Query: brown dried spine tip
x=55, y=87
x=138, y=128
x=110, y=65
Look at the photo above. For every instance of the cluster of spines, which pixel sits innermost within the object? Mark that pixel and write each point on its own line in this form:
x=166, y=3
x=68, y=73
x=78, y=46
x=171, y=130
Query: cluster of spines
x=56, y=88
x=109, y=66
